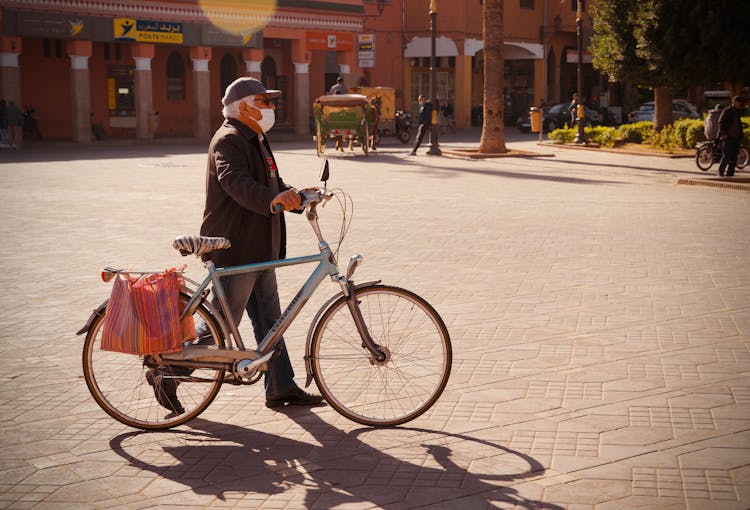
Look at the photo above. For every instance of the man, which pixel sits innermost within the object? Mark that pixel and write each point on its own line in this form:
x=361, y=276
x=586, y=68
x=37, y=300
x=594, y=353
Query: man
x=425, y=118
x=574, y=110
x=242, y=188
x=339, y=87
x=730, y=132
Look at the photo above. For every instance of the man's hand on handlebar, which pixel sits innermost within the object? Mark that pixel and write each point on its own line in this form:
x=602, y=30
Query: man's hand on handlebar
x=289, y=200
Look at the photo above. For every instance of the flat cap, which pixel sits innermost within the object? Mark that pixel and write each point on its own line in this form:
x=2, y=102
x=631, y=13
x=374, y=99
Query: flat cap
x=246, y=86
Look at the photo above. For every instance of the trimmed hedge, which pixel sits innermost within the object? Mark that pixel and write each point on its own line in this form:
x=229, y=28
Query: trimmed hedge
x=683, y=134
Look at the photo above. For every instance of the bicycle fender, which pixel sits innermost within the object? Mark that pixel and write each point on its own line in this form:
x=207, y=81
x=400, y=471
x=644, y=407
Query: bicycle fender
x=96, y=313
x=314, y=322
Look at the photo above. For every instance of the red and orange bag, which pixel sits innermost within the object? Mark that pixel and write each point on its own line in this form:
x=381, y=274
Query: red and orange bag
x=143, y=315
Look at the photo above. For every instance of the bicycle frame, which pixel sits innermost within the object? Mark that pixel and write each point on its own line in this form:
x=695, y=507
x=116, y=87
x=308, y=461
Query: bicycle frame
x=326, y=267
x=250, y=360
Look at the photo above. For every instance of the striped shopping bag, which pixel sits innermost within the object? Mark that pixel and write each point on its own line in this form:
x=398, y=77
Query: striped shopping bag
x=143, y=315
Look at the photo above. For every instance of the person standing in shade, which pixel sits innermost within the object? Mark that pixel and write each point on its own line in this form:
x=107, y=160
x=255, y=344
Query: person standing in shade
x=730, y=132
x=14, y=117
x=424, y=120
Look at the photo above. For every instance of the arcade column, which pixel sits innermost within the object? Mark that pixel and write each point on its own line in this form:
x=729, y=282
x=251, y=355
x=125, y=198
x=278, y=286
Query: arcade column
x=202, y=95
x=253, y=57
x=302, y=98
x=144, y=97
x=80, y=87
x=10, y=73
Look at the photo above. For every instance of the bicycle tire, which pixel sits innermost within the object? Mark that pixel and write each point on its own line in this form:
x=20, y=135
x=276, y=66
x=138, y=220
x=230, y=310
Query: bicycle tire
x=742, y=157
x=704, y=157
x=119, y=384
x=408, y=383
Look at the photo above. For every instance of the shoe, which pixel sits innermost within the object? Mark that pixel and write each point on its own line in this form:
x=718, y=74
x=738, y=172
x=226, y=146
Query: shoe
x=165, y=389
x=413, y=153
x=295, y=397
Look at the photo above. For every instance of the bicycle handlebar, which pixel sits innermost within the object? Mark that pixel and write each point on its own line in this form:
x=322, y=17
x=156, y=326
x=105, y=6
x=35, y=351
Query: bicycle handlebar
x=309, y=196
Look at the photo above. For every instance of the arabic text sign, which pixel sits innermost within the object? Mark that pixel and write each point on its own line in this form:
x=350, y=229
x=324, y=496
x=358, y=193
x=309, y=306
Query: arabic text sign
x=148, y=31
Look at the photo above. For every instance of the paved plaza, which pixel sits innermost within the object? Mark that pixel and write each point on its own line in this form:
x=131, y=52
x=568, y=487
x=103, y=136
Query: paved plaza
x=599, y=312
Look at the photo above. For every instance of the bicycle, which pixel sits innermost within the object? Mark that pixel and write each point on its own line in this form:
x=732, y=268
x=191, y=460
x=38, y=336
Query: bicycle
x=380, y=355
x=709, y=152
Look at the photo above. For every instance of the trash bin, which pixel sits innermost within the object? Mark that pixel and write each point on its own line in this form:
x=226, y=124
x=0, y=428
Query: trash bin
x=535, y=114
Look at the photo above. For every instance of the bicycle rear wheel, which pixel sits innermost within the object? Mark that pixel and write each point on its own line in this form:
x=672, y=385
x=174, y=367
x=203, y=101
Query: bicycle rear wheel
x=130, y=391
x=407, y=383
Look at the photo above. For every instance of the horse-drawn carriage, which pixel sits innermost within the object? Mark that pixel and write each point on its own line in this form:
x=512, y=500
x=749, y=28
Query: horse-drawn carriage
x=347, y=118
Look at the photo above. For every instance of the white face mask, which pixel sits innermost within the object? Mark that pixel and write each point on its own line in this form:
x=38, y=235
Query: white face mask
x=269, y=117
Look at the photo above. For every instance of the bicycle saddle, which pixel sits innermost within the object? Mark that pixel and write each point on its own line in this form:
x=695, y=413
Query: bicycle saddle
x=200, y=245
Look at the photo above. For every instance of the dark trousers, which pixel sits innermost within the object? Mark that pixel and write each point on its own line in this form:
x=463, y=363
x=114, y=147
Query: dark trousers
x=257, y=294
x=729, y=156
x=421, y=130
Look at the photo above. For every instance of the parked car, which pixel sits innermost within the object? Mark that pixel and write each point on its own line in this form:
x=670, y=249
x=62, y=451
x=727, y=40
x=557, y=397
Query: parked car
x=558, y=116
x=681, y=109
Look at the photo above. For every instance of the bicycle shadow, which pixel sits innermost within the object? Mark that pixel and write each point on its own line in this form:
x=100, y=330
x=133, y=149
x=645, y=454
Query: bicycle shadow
x=431, y=467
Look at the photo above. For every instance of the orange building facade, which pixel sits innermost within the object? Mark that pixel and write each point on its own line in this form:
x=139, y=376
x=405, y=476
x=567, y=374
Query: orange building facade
x=158, y=68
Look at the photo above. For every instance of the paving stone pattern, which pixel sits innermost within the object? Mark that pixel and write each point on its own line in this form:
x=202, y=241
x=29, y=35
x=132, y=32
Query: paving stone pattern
x=599, y=311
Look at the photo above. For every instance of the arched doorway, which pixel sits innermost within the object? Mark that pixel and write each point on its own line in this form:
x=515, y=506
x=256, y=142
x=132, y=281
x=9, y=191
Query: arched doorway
x=228, y=71
x=271, y=79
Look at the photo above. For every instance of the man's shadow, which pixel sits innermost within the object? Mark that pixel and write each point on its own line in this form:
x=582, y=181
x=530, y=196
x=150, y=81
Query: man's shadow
x=431, y=467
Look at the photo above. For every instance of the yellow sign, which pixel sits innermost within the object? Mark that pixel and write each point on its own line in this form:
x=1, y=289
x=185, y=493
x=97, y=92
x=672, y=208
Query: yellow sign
x=128, y=29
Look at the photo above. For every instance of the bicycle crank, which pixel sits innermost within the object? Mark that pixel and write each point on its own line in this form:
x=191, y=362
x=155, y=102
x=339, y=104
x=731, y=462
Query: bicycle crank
x=250, y=368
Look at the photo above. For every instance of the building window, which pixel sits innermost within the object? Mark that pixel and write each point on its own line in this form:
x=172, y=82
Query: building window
x=53, y=48
x=527, y=4
x=175, y=77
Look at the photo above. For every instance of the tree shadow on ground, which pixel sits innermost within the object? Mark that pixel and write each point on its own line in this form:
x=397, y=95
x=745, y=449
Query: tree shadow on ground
x=390, y=468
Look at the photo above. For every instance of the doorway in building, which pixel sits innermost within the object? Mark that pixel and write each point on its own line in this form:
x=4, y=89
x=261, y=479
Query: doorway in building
x=121, y=97
x=272, y=80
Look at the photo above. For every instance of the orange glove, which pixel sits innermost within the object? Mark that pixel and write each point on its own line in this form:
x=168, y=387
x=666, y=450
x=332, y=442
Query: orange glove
x=289, y=200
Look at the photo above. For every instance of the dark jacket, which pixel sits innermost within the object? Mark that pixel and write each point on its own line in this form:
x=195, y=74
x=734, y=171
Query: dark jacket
x=238, y=197
x=425, y=113
x=730, y=123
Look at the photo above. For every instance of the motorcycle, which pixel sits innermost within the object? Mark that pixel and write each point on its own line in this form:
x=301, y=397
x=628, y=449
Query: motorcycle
x=709, y=152
x=403, y=126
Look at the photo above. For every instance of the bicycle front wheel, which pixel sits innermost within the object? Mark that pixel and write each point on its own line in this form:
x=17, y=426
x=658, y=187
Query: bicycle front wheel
x=704, y=157
x=418, y=357
x=742, y=157
x=139, y=396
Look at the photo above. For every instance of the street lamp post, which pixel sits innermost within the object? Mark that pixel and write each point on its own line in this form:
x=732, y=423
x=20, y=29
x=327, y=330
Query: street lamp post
x=580, y=136
x=434, y=149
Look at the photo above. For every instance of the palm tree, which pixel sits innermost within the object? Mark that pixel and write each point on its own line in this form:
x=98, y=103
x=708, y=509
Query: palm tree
x=493, y=129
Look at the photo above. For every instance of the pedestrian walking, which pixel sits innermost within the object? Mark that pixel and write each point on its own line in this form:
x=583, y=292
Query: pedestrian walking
x=730, y=132
x=425, y=117
x=574, y=110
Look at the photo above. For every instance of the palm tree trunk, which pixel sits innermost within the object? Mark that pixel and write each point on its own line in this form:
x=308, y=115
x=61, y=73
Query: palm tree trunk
x=493, y=129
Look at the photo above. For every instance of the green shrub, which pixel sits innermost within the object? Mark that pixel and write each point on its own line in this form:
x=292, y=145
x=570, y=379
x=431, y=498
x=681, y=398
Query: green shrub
x=602, y=135
x=563, y=135
x=688, y=132
x=636, y=132
x=665, y=139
